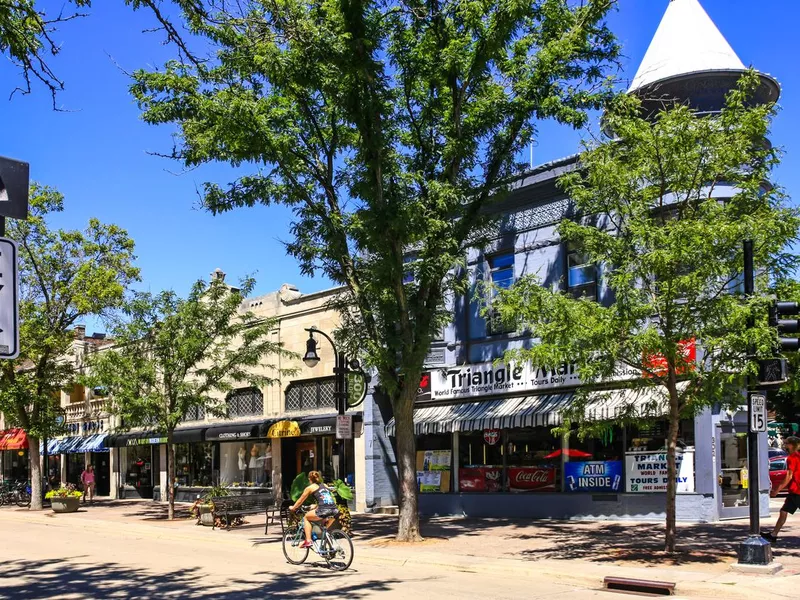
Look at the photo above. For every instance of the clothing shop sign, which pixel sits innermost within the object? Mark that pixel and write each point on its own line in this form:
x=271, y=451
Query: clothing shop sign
x=484, y=379
x=647, y=471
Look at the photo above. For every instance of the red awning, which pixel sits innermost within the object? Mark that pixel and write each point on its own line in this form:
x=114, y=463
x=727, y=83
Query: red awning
x=13, y=439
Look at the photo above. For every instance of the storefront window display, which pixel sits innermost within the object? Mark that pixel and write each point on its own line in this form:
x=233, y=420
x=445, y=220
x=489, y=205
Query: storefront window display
x=54, y=471
x=138, y=466
x=15, y=465
x=193, y=463
x=516, y=460
x=245, y=463
x=434, y=463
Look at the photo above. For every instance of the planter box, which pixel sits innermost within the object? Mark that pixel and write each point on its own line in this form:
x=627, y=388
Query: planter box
x=65, y=505
x=206, y=516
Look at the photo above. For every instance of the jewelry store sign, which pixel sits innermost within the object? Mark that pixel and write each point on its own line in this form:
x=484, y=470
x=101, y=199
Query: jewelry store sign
x=483, y=379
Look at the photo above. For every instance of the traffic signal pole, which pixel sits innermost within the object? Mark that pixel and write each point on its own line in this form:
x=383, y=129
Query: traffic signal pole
x=754, y=550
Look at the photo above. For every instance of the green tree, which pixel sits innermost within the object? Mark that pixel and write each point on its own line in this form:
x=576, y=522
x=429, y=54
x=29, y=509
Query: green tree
x=654, y=214
x=173, y=355
x=387, y=127
x=65, y=276
x=27, y=35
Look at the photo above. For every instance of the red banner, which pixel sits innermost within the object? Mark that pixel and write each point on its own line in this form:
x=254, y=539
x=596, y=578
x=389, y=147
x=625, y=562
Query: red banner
x=656, y=364
x=532, y=479
x=480, y=479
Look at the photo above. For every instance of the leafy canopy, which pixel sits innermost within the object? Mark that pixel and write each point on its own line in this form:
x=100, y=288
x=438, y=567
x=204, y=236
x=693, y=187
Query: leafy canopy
x=386, y=126
x=173, y=355
x=665, y=209
x=65, y=276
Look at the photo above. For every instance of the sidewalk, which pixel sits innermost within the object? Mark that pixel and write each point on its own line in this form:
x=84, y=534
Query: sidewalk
x=582, y=553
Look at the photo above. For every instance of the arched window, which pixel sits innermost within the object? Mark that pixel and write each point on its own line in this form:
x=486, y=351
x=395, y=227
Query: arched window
x=245, y=402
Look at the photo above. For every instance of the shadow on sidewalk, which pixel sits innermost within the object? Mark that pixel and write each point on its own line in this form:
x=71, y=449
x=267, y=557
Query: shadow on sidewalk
x=72, y=578
x=631, y=544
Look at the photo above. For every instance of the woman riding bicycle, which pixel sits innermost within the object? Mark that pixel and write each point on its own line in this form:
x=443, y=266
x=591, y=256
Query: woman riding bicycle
x=325, y=508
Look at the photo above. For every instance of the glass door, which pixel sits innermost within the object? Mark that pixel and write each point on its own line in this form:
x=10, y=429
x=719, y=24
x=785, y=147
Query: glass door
x=732, y=472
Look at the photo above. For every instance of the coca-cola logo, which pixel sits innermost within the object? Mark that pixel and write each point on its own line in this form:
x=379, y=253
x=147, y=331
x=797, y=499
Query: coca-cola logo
x=532, y=477
x=491, y=436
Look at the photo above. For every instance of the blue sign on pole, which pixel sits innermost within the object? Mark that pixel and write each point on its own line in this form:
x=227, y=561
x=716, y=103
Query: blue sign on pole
x=594, y=476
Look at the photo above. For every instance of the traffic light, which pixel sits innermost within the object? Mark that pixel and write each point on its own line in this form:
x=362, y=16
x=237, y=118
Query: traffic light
x=784, y=326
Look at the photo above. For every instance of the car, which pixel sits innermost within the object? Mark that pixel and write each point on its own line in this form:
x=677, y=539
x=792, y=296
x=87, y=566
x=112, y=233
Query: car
x=777, y=471
x=777, y=453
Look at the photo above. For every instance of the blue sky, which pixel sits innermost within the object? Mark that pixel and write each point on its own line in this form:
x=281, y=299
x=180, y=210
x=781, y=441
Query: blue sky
x=97, y=152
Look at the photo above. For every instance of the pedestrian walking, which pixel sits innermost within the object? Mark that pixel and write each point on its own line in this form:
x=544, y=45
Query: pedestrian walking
x=791, y=482
x=87, y=479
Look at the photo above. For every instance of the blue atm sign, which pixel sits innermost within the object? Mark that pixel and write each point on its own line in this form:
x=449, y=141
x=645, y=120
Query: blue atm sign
x=594, y=476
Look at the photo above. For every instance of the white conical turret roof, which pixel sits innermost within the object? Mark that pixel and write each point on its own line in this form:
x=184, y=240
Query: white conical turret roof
x=687, y=41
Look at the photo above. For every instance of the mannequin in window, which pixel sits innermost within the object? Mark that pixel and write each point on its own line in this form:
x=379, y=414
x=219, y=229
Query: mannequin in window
x=242, y=463
x=253, y=464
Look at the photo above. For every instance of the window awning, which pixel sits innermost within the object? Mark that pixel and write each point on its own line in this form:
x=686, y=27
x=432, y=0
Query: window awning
x=13, y=439
x=188, y=435
x=78, y=444
x=528, y=411
x=535, y=411
x=233, y=431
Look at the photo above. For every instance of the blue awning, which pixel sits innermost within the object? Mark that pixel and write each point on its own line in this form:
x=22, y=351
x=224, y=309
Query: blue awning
x=52, y=447
x=77, y=444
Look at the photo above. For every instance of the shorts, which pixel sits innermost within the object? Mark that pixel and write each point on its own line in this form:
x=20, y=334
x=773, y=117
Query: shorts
x=791, y=504
x=326, y=512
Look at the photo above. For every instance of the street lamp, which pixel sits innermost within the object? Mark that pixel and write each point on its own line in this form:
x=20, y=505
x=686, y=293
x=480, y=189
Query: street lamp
x=311, y=359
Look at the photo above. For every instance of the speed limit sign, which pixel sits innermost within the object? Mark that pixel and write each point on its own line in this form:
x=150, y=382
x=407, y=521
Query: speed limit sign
x=758, y=413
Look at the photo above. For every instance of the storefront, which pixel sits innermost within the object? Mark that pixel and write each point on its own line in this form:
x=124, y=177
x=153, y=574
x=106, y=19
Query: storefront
x=499, y=457
x=14, y=455
x=137, y=463
x=78, y=452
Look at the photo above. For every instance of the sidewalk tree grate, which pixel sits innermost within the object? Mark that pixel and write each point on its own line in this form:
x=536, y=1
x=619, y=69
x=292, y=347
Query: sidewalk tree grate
x=639, y=586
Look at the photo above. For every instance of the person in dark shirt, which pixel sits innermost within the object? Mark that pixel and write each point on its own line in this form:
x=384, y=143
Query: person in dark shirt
x=792, y=482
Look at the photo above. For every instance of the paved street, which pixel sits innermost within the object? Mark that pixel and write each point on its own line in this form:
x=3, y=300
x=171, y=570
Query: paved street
x=63, y=559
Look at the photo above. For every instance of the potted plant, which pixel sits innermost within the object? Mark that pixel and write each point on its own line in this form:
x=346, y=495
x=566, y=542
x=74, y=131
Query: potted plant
x=203, y=508
x=65, y=499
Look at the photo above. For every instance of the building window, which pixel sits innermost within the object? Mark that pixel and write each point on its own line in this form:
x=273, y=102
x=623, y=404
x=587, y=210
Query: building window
x=195, y=413
x=501, y=272
x=408, y=267
x=193, y=464
x=310, y=395
x=245, y=462
x=245, y=402
x=581, y=275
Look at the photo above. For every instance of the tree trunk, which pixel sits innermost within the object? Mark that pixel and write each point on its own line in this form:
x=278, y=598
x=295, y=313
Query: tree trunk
x=170, y=477
x=672, y=471
x=34, y=460
x=408, y=526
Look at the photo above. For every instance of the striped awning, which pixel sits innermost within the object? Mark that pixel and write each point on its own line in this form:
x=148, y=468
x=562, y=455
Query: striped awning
x=536, y=411
x=639, y=403
x=529, y=411
x=78, y=444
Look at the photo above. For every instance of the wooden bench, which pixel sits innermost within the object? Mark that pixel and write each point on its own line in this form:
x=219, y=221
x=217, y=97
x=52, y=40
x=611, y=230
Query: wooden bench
x=247, y=504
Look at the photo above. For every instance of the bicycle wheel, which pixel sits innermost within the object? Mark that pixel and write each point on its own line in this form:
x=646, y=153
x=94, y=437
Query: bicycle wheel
x=292, y=550
x=339, y=551
x=23, y=499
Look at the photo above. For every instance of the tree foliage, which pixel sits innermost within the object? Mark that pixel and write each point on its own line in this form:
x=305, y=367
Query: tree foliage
x=65, y=276
x=386, y=127
x=664, y=210
x=174, y=355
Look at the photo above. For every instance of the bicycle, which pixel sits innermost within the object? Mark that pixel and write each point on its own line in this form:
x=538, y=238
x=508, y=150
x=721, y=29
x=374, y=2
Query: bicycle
x=21, y=494
x=335, y=546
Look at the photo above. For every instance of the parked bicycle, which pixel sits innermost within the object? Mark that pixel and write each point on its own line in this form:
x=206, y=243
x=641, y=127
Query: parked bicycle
x=15, y=492
x=335, y=546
